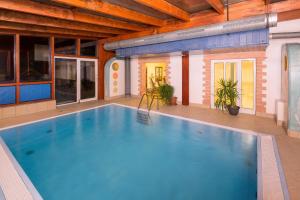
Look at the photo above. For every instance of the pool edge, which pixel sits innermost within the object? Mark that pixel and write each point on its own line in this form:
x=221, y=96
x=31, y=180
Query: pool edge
x=21, y=173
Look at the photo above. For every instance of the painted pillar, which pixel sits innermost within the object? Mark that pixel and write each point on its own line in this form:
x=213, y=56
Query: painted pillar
x=127, y=77
x=185, y=78
x=293, y=67
x=103, y=57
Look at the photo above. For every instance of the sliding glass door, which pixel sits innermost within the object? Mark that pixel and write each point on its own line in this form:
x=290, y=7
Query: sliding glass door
x=65, y=80
x=87, y=80
x=242, y=71
x=75, y=80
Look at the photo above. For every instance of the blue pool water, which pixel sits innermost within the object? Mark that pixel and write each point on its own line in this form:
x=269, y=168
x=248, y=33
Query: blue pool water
x=106, y=154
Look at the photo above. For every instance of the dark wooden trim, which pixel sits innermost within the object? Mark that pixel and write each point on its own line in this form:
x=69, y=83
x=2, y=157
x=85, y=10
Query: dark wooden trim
x=26, y=83
x=77, y=47
x=75, y=56
x=66, y=55
x=17, y=67
x=52, y=68
x=185, y=78
x=36, y=82
x=7, y=84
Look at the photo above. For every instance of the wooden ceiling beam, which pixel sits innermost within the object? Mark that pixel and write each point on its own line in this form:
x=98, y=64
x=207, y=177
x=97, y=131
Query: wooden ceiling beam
x=217, y=5
x=167, y=8
x=11, y=16
x=113, y=10
x=289, y=15
x=50, y=30
x=42, y=34
x=36, y=8
x=237, y=11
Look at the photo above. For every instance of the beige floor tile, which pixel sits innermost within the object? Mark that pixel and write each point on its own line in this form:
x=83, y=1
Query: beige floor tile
x=8, y=112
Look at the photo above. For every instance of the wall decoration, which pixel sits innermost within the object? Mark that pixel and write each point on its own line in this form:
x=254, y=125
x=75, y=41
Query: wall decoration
x=158, y=73
x=115, y=66
x=115, y=76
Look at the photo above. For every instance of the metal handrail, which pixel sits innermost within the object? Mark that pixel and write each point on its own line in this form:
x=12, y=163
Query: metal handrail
x=151, y=102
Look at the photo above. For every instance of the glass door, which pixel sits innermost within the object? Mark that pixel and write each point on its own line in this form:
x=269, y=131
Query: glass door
x=65, y=80
x=88, y=80
x=247, y=83
x=242, y=71
x=75, y=80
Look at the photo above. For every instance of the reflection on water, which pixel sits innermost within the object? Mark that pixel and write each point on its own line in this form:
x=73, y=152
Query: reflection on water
x=143, y=117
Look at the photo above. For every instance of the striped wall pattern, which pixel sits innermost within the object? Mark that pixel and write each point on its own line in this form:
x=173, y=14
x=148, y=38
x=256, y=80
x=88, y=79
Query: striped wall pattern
x=232, y=40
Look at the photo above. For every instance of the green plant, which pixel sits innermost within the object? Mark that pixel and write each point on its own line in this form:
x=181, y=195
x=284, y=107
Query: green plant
x=227, y=94
x=166, y=92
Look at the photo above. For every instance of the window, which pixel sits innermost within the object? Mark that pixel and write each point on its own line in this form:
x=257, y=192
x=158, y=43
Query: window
x=88, y=48
x=7, y=62
x=65, y=46
x=34, y=59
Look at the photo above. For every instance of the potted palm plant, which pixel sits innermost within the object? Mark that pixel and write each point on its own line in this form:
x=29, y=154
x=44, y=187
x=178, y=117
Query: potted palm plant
x=227, y=95
x=166, y=92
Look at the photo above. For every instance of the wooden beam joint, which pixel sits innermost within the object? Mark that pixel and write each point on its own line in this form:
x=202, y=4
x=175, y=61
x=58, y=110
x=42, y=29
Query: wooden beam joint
x=217, y=5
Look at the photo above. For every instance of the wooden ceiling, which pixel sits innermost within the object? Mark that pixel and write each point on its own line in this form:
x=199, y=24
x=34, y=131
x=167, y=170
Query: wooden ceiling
x=112, y=20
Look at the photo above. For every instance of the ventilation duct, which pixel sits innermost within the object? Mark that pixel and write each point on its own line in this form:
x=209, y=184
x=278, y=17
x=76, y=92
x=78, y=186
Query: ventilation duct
x=285, y=35
x=247, y=24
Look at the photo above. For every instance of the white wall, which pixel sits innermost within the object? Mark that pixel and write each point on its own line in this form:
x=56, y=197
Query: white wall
x=134, y=64
x=121, y=79
x=175, y=69
x=273, y=62
x=196, y=77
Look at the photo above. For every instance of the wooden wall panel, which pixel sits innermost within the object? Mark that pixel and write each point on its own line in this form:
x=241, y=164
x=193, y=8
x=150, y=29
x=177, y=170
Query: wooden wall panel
x=185, y=79
x=52, y=68
x=17, y=67
x=103, y=56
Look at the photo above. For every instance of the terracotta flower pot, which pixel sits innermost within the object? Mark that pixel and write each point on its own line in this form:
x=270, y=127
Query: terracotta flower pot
x=173, y=101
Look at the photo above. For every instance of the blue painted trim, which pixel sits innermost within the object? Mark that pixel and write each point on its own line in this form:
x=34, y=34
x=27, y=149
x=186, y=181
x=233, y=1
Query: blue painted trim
x=7, y=95
x=35, y=92
x=232, y=40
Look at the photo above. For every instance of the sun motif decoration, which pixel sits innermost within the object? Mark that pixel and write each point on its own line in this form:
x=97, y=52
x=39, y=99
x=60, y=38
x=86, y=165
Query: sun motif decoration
x=115, y=75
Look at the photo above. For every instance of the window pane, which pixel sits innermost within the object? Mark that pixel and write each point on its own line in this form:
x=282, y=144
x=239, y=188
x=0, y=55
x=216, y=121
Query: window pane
x=219, y=74
x=65, y=80
x=87, y=79
x=247, y=84
x=231, y=69
x=65, y=46
x=88, y=48
x=34, y=59
x=7, y=64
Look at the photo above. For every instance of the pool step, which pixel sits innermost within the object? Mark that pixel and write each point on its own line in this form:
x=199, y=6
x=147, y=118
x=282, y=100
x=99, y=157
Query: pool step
x=143, y=117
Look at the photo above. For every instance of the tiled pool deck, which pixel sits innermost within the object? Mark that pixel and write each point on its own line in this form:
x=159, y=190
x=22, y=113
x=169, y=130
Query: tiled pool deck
x=289, y=148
